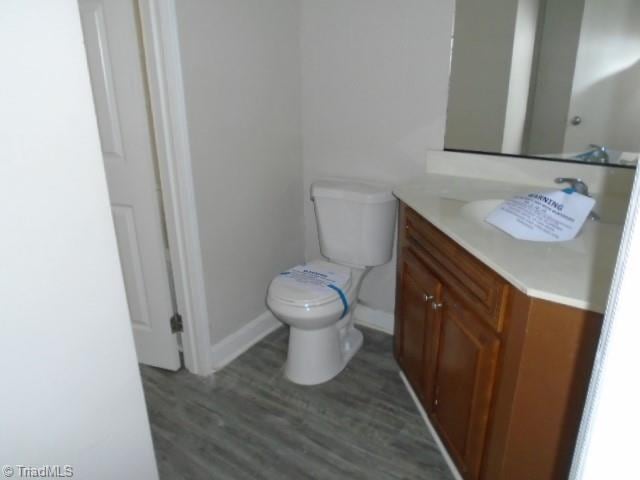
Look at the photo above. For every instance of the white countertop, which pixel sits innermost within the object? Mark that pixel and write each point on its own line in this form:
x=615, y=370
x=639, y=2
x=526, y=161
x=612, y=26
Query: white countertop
x=577, y=273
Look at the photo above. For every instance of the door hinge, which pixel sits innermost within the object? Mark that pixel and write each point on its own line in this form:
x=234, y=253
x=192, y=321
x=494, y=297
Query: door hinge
x=176, y=323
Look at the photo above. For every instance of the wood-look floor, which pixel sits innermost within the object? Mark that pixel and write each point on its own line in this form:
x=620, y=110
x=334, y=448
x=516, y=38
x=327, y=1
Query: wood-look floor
x=248, y=422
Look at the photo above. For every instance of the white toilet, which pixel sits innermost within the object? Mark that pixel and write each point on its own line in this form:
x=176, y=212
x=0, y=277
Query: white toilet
x=356, y=229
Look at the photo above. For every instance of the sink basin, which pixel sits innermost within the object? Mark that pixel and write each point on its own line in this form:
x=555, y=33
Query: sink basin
x=478, y=210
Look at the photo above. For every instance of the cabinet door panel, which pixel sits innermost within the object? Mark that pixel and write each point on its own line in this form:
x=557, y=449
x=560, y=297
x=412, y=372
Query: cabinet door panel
x=467, y=358
x=419, y=332
x=414, y=310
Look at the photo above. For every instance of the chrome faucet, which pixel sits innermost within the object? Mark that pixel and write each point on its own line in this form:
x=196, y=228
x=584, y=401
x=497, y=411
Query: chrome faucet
x=580, y=187
x=600, y=154
x=576, y=183
x=597, y=154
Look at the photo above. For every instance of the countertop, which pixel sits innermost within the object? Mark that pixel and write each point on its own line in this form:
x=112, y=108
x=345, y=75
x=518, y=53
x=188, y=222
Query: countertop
x=577, y=273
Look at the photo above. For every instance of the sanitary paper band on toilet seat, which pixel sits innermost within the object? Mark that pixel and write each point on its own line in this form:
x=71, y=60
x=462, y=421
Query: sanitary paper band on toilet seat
x=343, y=297
x=319, y=279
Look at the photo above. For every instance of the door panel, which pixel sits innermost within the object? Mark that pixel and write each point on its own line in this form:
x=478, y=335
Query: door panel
x=104, y=95
x=114, y=56
x=129, y=248
x=467, y=360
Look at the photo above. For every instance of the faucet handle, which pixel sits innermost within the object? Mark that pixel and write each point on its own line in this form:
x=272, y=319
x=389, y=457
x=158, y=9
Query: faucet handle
x=576, y=183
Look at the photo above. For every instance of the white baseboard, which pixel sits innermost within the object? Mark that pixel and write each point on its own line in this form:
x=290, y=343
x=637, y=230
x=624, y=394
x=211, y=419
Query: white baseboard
x=372, y=318
x=231, y=347
x=434, y=434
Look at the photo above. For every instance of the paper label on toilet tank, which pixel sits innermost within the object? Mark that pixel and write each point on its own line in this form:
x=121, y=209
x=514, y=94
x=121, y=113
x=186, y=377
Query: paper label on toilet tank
x=314, y=278
x=543, y=217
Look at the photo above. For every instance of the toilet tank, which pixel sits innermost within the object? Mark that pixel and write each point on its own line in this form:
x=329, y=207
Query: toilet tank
x=356, y=221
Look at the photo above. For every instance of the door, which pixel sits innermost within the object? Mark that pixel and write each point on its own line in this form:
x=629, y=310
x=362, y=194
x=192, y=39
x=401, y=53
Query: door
x=467, y=359
x=419, y=333
x=115, y=58
x=605, y=84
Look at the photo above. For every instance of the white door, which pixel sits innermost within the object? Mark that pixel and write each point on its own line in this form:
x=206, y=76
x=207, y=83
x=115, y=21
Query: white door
x=115, y=57
x=605, y=85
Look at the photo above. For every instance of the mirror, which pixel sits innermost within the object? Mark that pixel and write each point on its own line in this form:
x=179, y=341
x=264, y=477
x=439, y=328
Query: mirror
x=555, y=79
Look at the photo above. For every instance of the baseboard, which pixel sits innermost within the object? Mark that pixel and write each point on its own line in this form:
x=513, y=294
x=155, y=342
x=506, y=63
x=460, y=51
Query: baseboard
x=434, y=434
x=372, y=318
x=231, y=347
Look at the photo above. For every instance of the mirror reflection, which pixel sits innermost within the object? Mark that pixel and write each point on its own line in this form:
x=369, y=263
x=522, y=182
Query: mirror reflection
x=547, y=78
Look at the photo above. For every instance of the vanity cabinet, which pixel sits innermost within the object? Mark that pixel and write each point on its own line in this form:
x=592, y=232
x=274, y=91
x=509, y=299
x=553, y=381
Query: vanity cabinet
x=502, y=376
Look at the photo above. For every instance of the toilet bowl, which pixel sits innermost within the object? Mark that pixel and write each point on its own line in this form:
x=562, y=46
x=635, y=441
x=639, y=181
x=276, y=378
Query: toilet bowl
x=322, y=338
x=316, y=300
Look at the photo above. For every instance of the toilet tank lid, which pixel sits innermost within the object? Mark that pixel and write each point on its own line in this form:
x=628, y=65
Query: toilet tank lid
x=355, y=191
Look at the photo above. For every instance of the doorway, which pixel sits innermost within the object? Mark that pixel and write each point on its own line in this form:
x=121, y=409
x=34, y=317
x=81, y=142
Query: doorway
x=149, y=183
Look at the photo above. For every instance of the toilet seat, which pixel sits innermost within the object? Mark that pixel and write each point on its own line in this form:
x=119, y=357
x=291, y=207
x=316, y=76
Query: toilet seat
x=298, y=291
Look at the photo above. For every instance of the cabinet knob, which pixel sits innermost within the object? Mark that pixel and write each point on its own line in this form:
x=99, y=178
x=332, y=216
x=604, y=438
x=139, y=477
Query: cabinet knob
x=436, y=306
x=427, y=297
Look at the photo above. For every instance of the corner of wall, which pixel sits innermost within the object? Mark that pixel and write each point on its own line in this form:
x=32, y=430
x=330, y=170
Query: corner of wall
x=373, y=318
x=231, y=347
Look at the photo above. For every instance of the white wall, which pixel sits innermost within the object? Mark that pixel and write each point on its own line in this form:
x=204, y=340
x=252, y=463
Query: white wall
x=589, y=65
x=605, y=87
x=555, y=67
x=71, y=385
x=375, y=77
x=493, y=53
x=625, y=125
x=241, y=68
x=524, y=39
x=607, y=443
x=483, y=50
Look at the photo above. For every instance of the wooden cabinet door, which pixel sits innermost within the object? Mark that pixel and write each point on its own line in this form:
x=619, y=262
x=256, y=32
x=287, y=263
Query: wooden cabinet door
x=466, y=365
x=418, y=332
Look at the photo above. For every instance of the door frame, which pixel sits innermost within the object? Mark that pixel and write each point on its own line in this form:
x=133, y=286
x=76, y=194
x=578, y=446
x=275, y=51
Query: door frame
x=158, y=23
x=610, y=421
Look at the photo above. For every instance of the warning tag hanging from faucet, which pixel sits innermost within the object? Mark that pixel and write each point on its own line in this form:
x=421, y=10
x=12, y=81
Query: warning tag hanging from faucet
x=555, y=216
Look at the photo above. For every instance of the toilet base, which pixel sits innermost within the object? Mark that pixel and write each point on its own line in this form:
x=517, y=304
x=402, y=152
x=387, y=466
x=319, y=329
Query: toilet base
x=316, y=356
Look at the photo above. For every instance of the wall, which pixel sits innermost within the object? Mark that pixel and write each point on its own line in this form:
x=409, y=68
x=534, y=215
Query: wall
x=375, y=77
x=555, y=66
x=606, y=445
x=605, y=87
x=72, y=390
x=241, y=72
x=589, y=66
x=607, y=184
x=526, y=23
x=493, y=52
x=483, y=49
x=623, y=130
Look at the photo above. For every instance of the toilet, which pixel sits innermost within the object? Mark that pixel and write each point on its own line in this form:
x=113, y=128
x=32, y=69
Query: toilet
x=316, y=300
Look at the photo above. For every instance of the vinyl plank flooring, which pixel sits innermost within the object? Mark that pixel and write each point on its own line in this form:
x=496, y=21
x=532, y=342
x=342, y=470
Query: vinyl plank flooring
x=248, y=422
